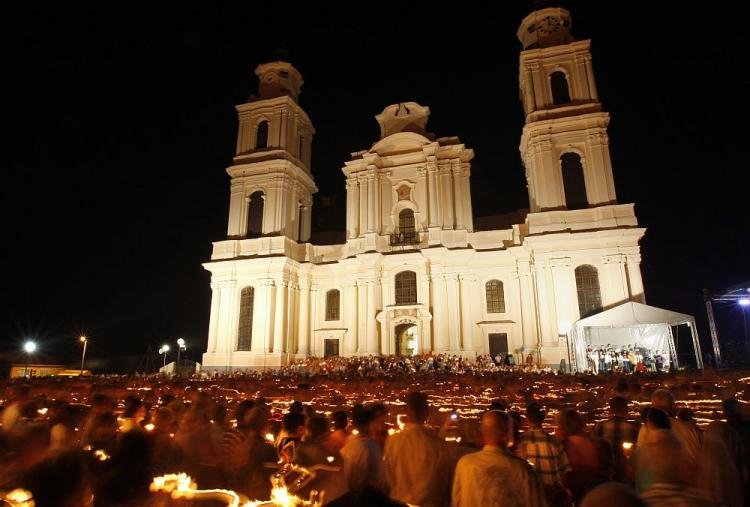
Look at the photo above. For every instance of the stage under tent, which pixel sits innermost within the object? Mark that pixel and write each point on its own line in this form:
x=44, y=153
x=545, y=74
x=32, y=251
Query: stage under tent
x=627, y=325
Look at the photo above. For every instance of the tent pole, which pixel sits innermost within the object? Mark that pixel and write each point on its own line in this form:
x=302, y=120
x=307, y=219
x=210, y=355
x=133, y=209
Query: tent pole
x=696, y=343
x=672, y=350
x=712, y=327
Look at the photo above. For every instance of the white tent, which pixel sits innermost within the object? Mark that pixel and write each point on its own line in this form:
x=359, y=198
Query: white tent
x=628, y=324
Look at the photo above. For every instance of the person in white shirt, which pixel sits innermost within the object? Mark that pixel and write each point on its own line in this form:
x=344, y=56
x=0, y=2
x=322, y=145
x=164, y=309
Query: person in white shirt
x=688, y=435
x=363, y=460
x=418, y=466
x=493, y=476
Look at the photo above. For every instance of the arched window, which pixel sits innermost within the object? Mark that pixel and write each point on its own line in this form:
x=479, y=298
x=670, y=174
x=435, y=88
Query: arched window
x=495, y=296
x=261, y=138
x=245, y=333
x=406, y=230
x=406, y=288
x=574, y=183
x=589, y=294
x=255, y=215
x=559, y=83
x=333, y=305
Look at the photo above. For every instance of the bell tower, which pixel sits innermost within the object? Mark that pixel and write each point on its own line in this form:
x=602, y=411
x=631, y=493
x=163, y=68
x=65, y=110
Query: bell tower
x=272, y=186
x=564, y=145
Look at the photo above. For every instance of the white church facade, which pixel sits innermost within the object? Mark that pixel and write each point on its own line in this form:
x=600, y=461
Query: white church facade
x=414, y=276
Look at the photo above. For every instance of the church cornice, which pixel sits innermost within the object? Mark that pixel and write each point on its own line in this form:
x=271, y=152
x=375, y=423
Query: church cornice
x=284, y=104
x=532, y=55
x=272, y=168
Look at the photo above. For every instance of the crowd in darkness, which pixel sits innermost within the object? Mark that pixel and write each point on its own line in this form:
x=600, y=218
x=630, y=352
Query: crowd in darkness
x=383, y=434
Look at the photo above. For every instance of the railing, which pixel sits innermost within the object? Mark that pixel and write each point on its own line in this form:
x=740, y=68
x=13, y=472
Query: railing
x=405, y=239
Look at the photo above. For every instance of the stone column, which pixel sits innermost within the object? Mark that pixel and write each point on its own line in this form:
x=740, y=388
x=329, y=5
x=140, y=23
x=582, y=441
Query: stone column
x=565, y=293
x=440, y=313
x=304, y=320
x=615, y=287
x=213, y=326
x=236, y=200
x=454, y=314
x=372, y=332
x=637, y=293
x=290, y=343
x=351, y=206
x=421, y=198
x=546, y=299
x=577, y=79
x=529, y=89
x=465, y=197
x=446, y=197
x=540, y=98
x=432, y=193
x=590, y=77
x=260, y=316
x=385, y=202
x=350, y=318
x=363, y=204
x=467, y=319
x=313, y=319
x=228, y=317
x=361, y=317
x=263, y=317
x=372, y=204
x=306, y=216
x=457, y=201
x=528, y=305
x=279, y=328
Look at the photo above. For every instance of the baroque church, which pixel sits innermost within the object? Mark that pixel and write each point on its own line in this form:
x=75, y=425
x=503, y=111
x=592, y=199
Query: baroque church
x=414, y=275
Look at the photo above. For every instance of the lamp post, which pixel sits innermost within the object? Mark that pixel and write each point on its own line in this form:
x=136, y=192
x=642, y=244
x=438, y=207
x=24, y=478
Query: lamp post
x=163, y=350
x=29, y=347
x=180, y=346
x=85, y=341
x=744, y=303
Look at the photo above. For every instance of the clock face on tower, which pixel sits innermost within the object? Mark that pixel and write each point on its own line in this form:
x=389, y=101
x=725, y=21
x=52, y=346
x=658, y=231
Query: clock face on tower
x=548, y=25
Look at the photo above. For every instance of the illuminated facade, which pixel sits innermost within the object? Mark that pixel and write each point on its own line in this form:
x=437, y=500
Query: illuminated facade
x=414, y=275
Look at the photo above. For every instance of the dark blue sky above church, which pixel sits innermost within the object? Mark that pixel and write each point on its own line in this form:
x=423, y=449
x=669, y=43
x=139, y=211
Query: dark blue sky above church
x=118, y=126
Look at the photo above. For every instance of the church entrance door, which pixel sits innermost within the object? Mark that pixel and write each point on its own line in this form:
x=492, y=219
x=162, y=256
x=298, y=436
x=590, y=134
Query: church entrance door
x=331, y=347
x=498, y=344
x=406, y=339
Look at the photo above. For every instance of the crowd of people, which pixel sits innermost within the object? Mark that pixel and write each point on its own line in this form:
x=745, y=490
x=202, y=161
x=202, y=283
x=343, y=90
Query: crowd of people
x=403, y=435
x=628, y=359
x=396, y=366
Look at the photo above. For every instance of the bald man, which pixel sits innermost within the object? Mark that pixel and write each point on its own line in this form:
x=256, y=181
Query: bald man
x=493, y=476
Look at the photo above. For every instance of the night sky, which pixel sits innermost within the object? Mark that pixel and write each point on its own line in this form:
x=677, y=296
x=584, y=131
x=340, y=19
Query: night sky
x=118, y=126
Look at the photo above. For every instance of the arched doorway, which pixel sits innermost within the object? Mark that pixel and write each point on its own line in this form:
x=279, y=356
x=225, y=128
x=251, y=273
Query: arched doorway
x=406, y=339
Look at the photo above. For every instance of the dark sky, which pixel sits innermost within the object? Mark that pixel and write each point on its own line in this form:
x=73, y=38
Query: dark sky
x=117, y=128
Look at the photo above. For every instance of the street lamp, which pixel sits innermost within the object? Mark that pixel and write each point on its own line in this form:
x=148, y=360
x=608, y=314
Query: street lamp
x=29, y=347
x=163, y=350
x=85, y=341
x=180, y=346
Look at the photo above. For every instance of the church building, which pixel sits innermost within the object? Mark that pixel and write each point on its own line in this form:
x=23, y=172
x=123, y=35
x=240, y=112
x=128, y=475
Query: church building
x=414, y=276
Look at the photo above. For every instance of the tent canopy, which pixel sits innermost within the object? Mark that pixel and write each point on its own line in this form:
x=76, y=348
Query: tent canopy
x=630, y=324
x=633, y=314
